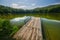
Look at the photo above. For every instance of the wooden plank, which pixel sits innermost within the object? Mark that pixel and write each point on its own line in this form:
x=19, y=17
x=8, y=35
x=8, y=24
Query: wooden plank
x=30, y=31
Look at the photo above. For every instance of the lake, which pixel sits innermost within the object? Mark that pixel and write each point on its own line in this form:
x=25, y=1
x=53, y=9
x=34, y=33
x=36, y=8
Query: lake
x=51, y=29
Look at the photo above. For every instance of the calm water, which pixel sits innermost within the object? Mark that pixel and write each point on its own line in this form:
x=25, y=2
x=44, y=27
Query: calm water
x=19, y=21
x=51, y=29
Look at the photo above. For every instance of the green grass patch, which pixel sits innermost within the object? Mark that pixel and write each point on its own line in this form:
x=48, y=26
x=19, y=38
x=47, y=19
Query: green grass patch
x=6, y=30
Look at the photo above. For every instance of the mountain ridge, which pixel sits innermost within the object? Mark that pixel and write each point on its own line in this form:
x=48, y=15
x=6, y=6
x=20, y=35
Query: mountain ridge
x=49, y=9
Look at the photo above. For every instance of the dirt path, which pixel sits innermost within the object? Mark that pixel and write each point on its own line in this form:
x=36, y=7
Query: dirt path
x=30, y=31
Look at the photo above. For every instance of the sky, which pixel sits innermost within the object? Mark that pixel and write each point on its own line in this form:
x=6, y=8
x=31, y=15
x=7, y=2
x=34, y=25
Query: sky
x=28, y=4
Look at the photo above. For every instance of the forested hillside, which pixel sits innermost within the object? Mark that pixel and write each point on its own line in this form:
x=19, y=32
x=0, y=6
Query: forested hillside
x=48, y=9
x=51, y=11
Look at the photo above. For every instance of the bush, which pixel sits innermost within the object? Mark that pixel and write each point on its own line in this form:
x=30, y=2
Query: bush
x=6, y=29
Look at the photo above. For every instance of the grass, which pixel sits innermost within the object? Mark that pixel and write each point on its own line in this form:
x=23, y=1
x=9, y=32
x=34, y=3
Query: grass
x=6, y=29
x=10, y=16
x=49, y=16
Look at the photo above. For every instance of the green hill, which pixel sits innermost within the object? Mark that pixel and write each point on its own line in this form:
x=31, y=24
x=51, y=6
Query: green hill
x=47, y=9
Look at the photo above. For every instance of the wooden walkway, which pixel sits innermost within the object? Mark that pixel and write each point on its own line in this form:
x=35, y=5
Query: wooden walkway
x=30, y=31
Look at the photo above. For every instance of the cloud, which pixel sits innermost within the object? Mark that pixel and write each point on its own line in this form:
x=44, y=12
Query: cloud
x=24, y=6
x=26, y=0
x=51, y=4
x=33, y=4
x=54, y=3
x=14, y=5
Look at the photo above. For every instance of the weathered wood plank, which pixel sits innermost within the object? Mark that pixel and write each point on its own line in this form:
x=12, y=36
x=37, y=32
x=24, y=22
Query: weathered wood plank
x=30, y=31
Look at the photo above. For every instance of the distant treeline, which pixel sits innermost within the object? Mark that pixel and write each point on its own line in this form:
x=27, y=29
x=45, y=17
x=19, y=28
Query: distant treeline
x=48, y=9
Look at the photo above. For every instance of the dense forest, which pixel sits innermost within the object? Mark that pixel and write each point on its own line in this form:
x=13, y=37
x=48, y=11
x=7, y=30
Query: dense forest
x=49, y=9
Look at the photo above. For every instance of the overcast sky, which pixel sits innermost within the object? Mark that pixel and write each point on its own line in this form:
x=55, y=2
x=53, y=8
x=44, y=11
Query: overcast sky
x=28, y=4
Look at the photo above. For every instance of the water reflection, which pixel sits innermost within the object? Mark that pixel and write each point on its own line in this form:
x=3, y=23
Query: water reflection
x=49, y=20
x=51, y=29
x=19, y=21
